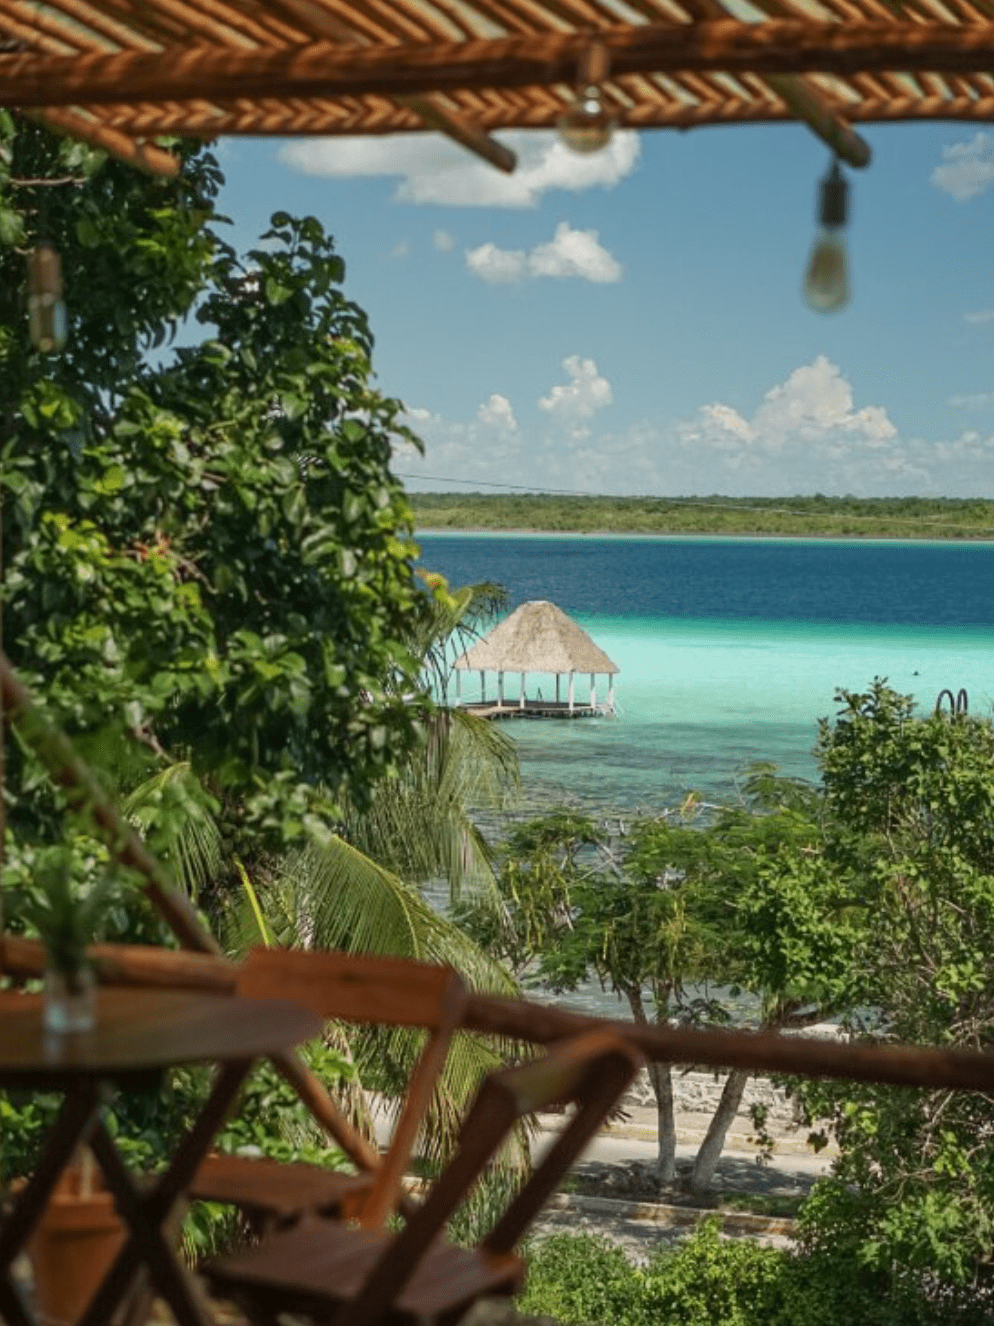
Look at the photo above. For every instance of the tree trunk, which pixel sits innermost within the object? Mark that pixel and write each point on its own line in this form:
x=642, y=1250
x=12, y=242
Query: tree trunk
x=714, y=1140
x=662, y=1088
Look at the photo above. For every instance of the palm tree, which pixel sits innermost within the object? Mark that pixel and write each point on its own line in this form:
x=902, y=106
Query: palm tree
x=359, y=888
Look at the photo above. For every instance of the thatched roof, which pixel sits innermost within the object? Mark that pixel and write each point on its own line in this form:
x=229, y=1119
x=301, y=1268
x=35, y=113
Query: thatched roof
x=537, y=637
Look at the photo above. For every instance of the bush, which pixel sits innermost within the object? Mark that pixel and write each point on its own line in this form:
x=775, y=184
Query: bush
x=709, y=1281
x=580, y=1278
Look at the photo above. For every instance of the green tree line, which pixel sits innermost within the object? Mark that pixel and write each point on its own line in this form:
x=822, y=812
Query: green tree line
x=818, y=516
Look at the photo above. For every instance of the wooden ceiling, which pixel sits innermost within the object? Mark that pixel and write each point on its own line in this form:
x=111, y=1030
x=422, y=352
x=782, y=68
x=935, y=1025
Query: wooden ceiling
x=121, y=72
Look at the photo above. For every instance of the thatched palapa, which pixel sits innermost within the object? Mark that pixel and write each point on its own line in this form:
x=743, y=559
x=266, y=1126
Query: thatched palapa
x=539, y=637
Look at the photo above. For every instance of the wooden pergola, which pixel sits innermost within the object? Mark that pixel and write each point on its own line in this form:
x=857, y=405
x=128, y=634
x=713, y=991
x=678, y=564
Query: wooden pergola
x=119, y=73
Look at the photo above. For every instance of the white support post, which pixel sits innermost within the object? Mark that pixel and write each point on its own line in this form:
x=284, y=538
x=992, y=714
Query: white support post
x=571, y=675
x=610, y=695
x=521, y=697
x=500, y=690
x=593, y=690
x=458, y=687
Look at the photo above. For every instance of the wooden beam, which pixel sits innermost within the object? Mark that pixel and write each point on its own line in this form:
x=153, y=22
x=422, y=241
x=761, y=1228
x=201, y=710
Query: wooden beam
x=900, y=1065
x=153, y=160
x=808, y=105
x=436, y=116
x=780, y=46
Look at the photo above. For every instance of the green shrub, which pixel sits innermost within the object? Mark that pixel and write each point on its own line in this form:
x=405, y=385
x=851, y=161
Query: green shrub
x=709, y=1281
x=578, y=1278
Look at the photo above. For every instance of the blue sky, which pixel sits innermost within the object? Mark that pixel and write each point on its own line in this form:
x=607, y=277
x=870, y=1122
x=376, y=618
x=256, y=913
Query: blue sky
x=631, y=322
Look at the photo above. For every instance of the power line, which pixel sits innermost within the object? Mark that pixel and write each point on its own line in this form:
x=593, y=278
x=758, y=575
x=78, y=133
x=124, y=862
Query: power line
x=489, y=483
x=710, y=506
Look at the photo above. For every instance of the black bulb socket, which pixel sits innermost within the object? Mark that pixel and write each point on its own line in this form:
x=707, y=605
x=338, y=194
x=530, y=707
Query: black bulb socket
x=833, y=199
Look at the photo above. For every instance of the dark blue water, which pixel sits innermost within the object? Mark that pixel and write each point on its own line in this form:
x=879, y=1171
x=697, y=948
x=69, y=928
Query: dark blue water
x=934, y=584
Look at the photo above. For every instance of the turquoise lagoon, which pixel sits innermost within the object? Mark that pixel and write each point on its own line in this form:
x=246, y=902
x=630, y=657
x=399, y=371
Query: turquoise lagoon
x=730, y=650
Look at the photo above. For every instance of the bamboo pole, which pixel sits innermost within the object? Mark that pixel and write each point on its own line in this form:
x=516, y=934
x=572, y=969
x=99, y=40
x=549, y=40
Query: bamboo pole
x=778, y=46
x=138, y=965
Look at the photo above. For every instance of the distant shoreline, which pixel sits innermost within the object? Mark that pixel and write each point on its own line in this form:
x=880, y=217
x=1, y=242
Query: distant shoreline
x=703, y=534
x=912, y=519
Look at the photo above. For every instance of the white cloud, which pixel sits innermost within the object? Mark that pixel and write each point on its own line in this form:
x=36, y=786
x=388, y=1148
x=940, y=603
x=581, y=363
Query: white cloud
x=586, y=392
x=498, y=413
x=967, y=168
x=444, y=241
x=981, y=316
x=805, y=434
x=980, y=400
x=816, y=399
x=574, y=253
x=433, y=169
x=489, y=445
x=570, y=253
x=401, y=249
x=497, y=266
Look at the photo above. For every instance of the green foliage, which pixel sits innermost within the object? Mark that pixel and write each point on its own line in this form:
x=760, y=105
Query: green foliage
x=207, y=558
x=839, y=517
x=65, y=912
x=580, y=1279
x=709, y=1281
x=912, y=1197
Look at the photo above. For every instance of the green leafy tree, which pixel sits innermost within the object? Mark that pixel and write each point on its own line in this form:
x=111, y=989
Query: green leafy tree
x=207, y=560
x=913, y=802
x=691, y=911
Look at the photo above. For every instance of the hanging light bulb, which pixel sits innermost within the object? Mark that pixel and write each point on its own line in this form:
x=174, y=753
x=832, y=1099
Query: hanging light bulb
x=46, y=308
x=586, y=126
x=826, y=281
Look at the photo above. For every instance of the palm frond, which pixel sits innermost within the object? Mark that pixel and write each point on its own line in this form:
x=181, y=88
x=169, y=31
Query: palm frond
x=420, y=825
x=332, y=896
x=175, y=814
x=338, y=898
x=452, y=624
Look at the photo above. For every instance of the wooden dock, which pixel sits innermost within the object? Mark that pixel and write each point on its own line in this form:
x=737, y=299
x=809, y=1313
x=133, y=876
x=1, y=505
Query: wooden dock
x=537, y=709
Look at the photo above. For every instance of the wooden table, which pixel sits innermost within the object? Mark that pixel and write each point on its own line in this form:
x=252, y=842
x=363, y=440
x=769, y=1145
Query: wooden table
x=137, y=1034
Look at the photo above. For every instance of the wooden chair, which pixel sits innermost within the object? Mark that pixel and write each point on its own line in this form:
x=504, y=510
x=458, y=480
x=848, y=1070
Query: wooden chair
x=335, y=1272
x=353, y=988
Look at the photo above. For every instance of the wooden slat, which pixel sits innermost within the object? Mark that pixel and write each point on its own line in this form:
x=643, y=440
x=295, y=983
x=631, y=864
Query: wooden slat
x=318, y=22
x=337, y=121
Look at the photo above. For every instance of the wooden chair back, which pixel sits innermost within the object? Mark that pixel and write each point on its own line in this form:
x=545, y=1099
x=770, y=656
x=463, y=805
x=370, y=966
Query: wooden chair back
x=369, y=989
x=591, y=1070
